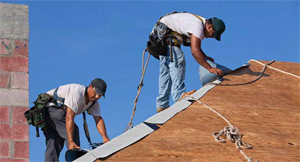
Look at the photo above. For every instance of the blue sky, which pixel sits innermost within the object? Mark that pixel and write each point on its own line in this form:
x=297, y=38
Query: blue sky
x=77, y=41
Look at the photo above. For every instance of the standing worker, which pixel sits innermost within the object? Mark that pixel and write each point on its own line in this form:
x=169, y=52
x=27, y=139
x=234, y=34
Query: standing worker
x=72, y=99
x=174, y=30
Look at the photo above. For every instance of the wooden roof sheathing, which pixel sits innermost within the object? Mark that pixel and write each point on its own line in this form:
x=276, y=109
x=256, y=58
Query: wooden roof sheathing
x=266, y=112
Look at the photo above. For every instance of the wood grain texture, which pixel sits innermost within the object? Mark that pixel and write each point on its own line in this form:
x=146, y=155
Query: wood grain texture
x=266, y=112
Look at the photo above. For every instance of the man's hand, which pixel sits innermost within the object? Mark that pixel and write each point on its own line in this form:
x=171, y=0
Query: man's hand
x=105, y=139
x=72, y=145
x=215, y=71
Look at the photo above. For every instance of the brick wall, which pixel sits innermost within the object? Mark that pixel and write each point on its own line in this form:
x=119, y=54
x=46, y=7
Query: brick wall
x=14, y=83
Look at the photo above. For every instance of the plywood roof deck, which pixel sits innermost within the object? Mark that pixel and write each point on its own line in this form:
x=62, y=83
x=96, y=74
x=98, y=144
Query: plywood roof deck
x=266, y=112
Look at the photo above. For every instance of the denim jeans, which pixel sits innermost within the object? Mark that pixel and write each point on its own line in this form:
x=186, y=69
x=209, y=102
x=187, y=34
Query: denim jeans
x=206, y=76
x=171, y=77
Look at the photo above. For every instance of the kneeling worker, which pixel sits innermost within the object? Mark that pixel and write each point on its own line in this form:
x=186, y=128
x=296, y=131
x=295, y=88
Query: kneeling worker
x=72, y=99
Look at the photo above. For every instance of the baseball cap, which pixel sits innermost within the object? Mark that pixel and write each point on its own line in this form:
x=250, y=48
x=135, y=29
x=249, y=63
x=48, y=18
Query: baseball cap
x=219, y=27
x=100, y=86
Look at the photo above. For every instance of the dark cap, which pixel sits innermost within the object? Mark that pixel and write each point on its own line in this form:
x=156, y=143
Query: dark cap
x=100, y=86
x=219, y=27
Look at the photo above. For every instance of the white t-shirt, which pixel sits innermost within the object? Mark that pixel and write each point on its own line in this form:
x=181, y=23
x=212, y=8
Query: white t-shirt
x=74, y=95
x=185, y=23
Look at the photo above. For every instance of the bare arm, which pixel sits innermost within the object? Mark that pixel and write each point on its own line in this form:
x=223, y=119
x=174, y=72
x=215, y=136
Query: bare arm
x=70, y=128
x=207, y=57
x=101, y=128
x=200, y=56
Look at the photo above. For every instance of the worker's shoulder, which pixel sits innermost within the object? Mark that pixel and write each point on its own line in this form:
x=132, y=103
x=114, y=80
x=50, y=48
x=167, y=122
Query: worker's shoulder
x=73, y=88
x=73, y=85
x=180, y=15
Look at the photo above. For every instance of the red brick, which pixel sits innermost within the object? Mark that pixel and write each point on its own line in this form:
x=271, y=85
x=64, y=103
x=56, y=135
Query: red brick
x=20, y=80
x=5, y=46
x=14, y=63
x=20, y=132
x=14, y=160
x=18, y=115
x=5, y=132
x=4, y=149
x=17, y=132
x=21, y=149
x=4, y=77
x=4, y=114
x=20, y=47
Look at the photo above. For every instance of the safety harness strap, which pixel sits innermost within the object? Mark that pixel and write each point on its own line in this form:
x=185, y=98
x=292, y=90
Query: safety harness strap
x=184, y=37
x=199, y=17
x=86, y=129
x=175, y=33
x=56, y=98
x=85, y=126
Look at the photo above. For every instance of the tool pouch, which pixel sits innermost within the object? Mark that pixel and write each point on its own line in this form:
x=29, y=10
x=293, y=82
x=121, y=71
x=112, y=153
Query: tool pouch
x=156, y=45
x=36, y=115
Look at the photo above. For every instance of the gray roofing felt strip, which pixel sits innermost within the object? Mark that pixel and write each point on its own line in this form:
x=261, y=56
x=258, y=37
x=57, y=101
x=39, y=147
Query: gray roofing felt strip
x=131, y=136
x=244, y=65
x=87, y=157
x=142, y=130
x=164, y=116
x=202, y=91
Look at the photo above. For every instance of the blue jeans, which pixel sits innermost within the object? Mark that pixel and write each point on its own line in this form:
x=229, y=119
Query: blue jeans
x=171, y=74
x=206, y=76
x=171, y=77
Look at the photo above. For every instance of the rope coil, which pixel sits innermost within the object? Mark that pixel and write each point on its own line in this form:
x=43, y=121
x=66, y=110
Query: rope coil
x=230, y=132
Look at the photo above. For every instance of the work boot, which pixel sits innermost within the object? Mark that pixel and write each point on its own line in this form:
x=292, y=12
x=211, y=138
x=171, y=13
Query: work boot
x=161, y=109
x=187, y=94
